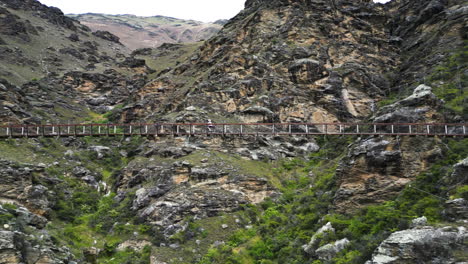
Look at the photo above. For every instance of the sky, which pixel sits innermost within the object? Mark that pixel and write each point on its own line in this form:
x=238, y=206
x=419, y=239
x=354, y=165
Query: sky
x=200, y=10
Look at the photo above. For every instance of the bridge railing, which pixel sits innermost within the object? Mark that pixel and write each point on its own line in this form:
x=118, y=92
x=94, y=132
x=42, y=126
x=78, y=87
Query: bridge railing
x=428, y=129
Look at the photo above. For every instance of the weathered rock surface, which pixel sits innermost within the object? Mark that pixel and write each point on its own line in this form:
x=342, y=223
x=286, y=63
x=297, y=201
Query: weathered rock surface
x=23, y=239
x=17, y=186
x=306, y=63
x=419, y=107
x=167, y=192
x=329, y=251
x=377, y=169
x=456, y=210
x=423, y=245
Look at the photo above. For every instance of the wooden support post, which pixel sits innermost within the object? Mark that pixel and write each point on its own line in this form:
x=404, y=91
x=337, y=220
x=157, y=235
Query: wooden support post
x=446, y=130
x=224, y=130
x=290, y=129
x=307, y=129
x=410, y=130
x=99, y=130
x=53, y=130
x=115, y=130
x=464, y=130
x=68, y=129
x=22, y=131
x=357, y=129
x=8, y=131
x=146, y=129
x=178, y=130
x=130, y=129
x=393, y=129
x=241, y=129
x=37, y=131
x=84, y=130
x=428, y=131
x=341, y=129
x=375, y=129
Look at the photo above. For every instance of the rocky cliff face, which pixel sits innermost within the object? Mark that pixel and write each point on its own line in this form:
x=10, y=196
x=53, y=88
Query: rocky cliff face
x=281, y=61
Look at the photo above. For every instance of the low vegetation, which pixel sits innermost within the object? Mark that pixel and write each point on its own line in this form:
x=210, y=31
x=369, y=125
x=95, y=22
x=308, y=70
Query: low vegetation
x=280, y=228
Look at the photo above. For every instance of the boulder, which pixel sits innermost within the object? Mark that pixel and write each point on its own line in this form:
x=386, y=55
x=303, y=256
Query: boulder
x=422, y=245
x=329, y=251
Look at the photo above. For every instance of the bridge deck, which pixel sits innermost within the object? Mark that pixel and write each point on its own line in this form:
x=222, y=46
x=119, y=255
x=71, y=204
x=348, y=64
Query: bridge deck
x=224, y=129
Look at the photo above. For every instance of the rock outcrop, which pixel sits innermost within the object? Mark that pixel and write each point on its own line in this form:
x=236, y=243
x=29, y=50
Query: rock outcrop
x=17, y=186
x=423, y=245
x=23, y=239
x=377, y=169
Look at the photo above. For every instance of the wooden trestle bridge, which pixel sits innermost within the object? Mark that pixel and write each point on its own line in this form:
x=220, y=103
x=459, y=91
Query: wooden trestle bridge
x=226, y=129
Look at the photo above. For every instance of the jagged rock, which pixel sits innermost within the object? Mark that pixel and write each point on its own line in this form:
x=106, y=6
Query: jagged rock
x=132, y=62
x=422, y=245
x=101, y=151
x=412, y=109
x=456, y=210
x=74, y=37
x=458, y=176
x=306, y=71
x=8, y=251
x=422, y=221
x=329, y=251
x=107, y=36
x=28, y=242
x=320, y=235
x=17, y=185
x=142, y=52
x=373, y=171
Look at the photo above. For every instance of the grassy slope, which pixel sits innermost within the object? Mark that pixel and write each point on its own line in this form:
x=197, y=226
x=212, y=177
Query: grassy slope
x=52, y=38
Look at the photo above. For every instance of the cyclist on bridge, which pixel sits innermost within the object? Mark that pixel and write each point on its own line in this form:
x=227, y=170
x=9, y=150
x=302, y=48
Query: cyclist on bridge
x=210, y=125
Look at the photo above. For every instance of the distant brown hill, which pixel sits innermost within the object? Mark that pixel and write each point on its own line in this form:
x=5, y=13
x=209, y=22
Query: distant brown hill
x=148, y=32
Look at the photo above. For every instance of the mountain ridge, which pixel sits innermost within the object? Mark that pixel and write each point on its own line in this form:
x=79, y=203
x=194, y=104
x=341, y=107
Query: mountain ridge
x=149, y=31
